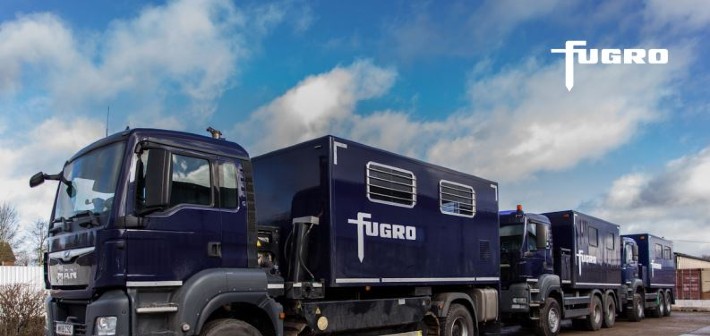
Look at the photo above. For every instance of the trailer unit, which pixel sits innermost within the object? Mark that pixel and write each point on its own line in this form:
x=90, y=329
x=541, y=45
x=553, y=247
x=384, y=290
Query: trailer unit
x=383, y=219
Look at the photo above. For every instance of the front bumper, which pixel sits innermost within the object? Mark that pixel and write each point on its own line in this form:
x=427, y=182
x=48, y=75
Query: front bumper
x=82, y=314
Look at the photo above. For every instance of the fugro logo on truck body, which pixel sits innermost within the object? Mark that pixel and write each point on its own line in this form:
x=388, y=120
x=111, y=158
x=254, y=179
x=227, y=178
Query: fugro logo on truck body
x=585, y=258
x=382, y=230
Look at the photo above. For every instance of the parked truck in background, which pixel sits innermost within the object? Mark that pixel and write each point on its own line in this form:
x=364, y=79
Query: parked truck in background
x=159, y=232
x=559, y=265
x=649, y=275
x=567, y=264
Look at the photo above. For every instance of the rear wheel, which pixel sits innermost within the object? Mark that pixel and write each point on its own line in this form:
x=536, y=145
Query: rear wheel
x=458, y=322
x=635, y=314
x=609, y=312
x=657, y=310
x=667, y=299
x=229, y=327
x=550, y=319
x=596, y=315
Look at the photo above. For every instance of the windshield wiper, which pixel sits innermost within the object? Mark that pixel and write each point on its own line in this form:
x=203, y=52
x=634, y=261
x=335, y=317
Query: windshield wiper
x=93, y=220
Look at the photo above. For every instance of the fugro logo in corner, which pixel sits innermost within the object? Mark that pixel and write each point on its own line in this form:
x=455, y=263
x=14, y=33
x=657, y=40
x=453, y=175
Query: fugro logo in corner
x=608, y=56
x=382, y=230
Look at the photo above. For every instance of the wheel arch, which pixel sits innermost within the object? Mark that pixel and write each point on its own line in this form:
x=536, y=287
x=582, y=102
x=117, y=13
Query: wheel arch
x=443, y=301
x=257, y=309
x=226, y=293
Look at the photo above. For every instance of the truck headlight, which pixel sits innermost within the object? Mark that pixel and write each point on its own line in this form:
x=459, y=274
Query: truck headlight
x=520, y=300
x=106, y=325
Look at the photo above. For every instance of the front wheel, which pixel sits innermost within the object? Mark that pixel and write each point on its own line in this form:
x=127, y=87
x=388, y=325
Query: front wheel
x=594, y=320
x=609, y=312
x=458, y=322
x=550, y=318
x=635, y=314
x=229, y=327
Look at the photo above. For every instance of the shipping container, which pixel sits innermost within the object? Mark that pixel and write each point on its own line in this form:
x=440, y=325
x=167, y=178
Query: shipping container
x=688, y=284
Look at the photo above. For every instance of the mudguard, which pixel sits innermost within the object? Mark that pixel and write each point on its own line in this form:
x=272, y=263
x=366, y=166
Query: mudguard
x=209, y=290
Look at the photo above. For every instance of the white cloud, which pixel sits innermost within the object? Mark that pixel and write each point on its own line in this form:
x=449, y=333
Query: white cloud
x=43, y=148
x=187, y=51
x=317, y=105
x=528, y=122
x=672, y=203
x=519, y=122
x=679, y=15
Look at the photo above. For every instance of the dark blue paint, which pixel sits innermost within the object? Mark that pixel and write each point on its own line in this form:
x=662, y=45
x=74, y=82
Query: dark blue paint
x=526, y=262
x=655, y=278
x=571, y=231
x=304, y=180
x=171, y=245
x=629, y=268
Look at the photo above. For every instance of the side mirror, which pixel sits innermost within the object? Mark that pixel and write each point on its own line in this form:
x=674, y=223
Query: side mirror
x=154, y=186
x=36, y=179
x=542, y=235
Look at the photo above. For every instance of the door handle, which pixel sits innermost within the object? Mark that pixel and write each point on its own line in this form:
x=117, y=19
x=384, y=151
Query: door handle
x=214, y=249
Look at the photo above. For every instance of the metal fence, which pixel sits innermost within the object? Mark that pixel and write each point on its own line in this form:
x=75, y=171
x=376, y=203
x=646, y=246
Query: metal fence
x=32, y=275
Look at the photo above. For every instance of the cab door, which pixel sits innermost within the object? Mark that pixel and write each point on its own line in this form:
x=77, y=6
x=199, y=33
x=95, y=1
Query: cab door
x=184, y=235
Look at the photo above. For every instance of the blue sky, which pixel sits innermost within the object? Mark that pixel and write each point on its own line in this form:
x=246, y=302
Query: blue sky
x=469, y=85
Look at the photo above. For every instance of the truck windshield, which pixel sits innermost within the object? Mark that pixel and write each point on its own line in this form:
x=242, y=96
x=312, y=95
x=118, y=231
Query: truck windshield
x=90, y=182
x=511, y=237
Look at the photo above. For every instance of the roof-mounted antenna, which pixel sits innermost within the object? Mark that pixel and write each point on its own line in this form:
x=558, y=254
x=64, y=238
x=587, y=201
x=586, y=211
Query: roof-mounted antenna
x=216, y=134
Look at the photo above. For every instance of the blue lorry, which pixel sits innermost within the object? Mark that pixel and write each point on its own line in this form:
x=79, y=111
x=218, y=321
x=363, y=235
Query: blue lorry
x=649, y=275
x=158, y=232
x=569, y=265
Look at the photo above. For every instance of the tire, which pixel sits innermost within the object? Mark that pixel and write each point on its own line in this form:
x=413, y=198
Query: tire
x=596, y=315
x=657, y=310
x=550, y=319
x=667, y=299
x=635, y=314
x=229, y=327
x=458, y=322
x=609, y=312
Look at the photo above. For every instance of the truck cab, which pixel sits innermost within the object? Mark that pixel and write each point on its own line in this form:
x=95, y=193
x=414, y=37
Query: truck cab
x=146, y=221
x=654, y=283
x=527, y=275
x=525, y=247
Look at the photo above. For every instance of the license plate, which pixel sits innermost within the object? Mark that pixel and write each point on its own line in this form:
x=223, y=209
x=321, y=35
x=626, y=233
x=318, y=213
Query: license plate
x=64, y=329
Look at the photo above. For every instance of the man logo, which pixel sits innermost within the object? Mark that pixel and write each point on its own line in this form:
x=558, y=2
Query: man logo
x=382, y=230
x=608, y=56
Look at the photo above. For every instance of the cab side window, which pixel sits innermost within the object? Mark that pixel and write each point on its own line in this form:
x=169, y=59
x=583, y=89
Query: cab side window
x=228, y=178
x=190, y=181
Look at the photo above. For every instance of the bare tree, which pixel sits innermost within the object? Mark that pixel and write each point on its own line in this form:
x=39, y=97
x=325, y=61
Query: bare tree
x=37, y=240
x=9, y=224
x=23, y=258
